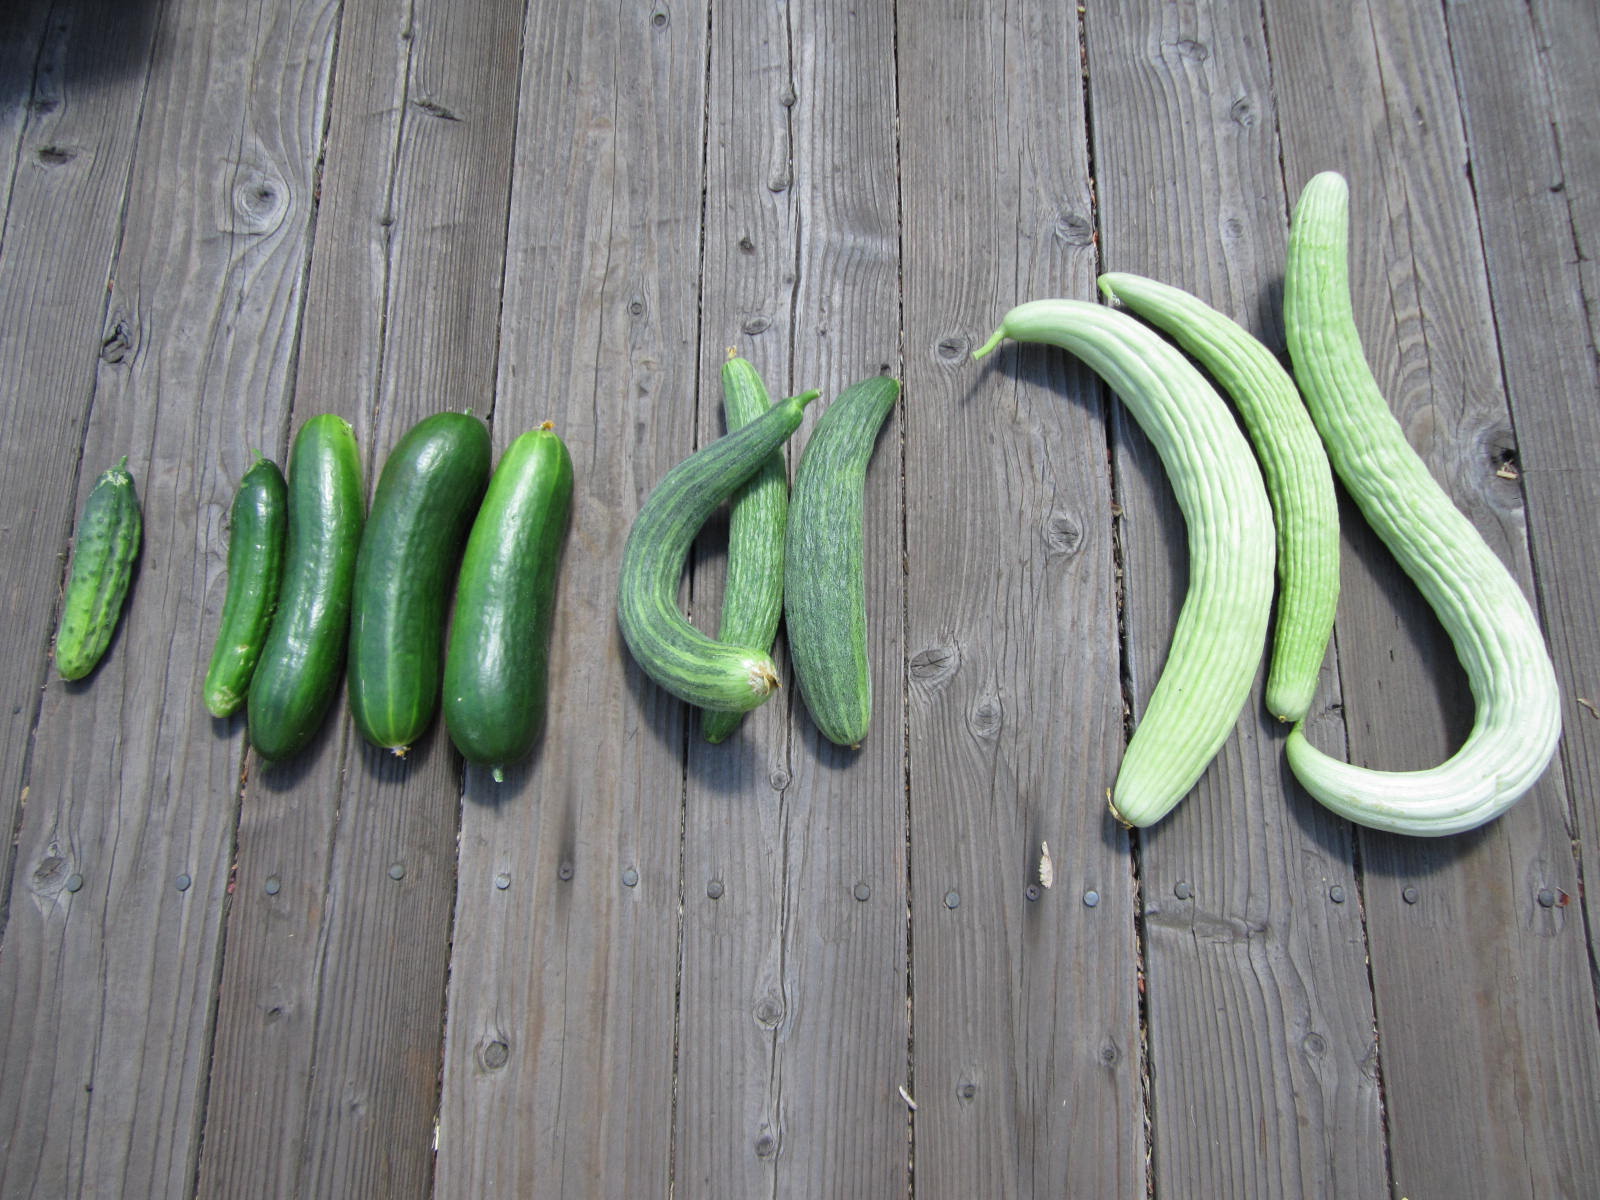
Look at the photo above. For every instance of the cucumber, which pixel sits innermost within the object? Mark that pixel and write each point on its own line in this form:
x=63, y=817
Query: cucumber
x=258, y=526
x=298, y=673
x=496, y=669
x=422, y=509
x=104, y=549
x=825, y=602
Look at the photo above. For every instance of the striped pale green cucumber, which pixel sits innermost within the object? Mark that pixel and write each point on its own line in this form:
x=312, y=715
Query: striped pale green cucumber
x=422, y=510
x=1293, y=462
x=1221, y=628
x=297, y=676
x=496, y=670
x=825, y=599
x=752, y=595
x=1480, y=605
x=258, y=527
x=104, y=548
x=681, y=659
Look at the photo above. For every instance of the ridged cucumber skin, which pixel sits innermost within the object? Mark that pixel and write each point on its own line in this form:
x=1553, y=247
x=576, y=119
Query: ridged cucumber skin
x=258, y=527
x=752, y=596
x=1295, y=466
x=422, y=509
x=825, y=600
x=297, y=676
x=681, y=659
x=105, y=546
x=496, y=672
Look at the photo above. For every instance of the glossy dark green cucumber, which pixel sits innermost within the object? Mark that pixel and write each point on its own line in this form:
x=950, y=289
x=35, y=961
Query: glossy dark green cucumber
x=105, y=546
x=258, y=527
x=422, y=509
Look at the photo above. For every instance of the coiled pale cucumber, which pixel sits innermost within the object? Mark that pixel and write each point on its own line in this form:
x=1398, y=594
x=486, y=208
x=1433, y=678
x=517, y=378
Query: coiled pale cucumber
x=104, y=548
x=681, y=659
x=824, y=603
x=1221, y=629
x=1293, y=462
x=1489, y=621
x=258, y=526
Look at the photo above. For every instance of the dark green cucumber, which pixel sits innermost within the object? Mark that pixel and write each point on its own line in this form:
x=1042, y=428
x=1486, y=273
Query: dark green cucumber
x=422, y=509
x=675, y=654
x=298, y=674
x=496, y=670
x=825, y=600
x=258, y=527
x=104, y=549
x=752, y=595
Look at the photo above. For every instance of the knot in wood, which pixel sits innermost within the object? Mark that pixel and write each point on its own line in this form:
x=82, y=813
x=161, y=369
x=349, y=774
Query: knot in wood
x=933, y=665
x=258, y=200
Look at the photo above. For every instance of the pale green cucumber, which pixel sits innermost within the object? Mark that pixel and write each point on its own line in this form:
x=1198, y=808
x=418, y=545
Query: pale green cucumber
x=105, y=545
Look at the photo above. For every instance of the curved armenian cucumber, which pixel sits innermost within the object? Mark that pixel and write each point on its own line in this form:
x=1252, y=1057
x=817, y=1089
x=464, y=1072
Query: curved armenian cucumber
x=258, y=526
x=825, y=601
x=104, y=548
x=422, y=509
x=1298, y=477
x=681, y=659
x=752, y=596
x=1480, y=605
x=1221, y=629
x=298, y=673
x=497, y=667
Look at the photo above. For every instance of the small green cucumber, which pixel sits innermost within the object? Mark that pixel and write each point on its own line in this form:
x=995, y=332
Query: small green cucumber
x=681, y=659
x=104, y=549
x=825, y=599
x=422, y=510
x=297, y=675
x=258, y=527
x=496, y=669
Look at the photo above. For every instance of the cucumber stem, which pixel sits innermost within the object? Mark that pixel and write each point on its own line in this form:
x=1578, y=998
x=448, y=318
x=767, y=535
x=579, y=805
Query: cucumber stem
x=998, y=337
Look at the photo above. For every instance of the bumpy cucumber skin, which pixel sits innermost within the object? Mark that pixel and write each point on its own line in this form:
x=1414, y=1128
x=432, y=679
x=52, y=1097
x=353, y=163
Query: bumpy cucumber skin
x=752, y=596
x=422, y=508
x=104, y=549
x=297, y=676
x=496, y=672
x=825, y=599
x=258, y=527
x=681, y=659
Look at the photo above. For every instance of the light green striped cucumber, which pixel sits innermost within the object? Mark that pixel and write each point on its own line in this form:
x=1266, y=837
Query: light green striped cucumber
x=1221, y=629
x=681, y=659
x=104, y=548
x=1490, y=623
x=1298, y=477
x=825, y=602
x=752, y=596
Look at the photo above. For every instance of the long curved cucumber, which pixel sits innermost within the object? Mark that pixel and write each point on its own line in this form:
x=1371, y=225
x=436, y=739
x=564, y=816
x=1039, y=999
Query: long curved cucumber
x=258, y=527
x=1293, y=462
x=1221, y=628
x=105, y=545
x=1489, y=621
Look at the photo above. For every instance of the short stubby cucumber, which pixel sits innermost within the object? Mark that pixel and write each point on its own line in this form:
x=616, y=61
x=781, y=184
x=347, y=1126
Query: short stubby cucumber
x=422, y=508
x=258, y=527
x=681, y=659
x=1495, y=633
x=1221, y=629
x=1298, y=477
x=825, y=605
x=105, y=545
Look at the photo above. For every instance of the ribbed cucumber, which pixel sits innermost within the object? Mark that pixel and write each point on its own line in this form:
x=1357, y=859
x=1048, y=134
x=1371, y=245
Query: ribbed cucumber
x=105, y=546
x=422, y=508
x=825, y=600
x=258, y=527
x=681, y=659
x=297, y=676
x=497, y=667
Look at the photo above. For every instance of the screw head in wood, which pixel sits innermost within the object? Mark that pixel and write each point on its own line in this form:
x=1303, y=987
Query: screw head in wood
x=630, y=877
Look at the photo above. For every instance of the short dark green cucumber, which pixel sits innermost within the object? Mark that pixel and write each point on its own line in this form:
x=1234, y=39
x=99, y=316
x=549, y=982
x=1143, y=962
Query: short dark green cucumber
x=298, y=673
x=752, y=595
x=496, y=670
x=104, y=549
x=258, y=527
x=825, y=600
x=422, y=509
x=681, y=659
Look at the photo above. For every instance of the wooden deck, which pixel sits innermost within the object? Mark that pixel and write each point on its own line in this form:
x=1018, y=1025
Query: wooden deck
x=647, y=966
